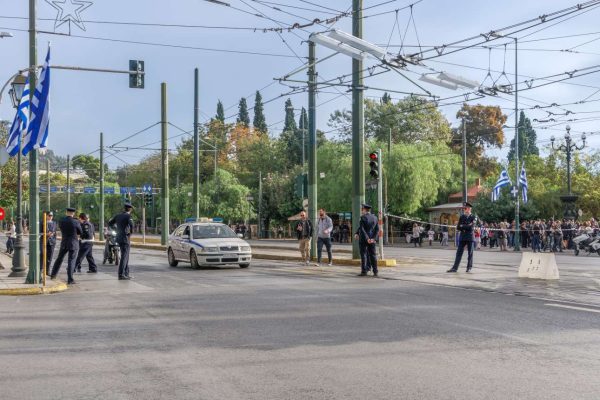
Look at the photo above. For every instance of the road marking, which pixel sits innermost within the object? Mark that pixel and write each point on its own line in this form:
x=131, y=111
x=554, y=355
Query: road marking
x=573, y=307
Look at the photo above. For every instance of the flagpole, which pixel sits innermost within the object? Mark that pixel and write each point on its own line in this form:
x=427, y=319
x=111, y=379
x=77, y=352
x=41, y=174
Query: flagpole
x=34, y=195
x=517, y=223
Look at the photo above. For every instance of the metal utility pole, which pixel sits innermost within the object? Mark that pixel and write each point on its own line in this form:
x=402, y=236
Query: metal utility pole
x=164, y=150
x=312, y=146
x=259, y=224
x=358, y=137
x=517, y=226
x=34, y=195
x=68, y=180
x=101, y=222
x=196, y=189
x=48, y=185
x=464, y=162
x=380, y=202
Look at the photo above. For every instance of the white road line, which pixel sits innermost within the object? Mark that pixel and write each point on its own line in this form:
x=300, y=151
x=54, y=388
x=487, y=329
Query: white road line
x=573, y=307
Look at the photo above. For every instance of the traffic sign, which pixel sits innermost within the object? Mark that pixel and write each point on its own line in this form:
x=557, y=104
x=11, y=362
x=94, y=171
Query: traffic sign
x=109, y=190
x=125, y=190
x=2, y=214
x=89, y=190
x=147, y=188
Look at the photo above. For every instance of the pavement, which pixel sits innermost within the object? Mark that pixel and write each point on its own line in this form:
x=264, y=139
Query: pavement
x=16, y=286
x=281, y=330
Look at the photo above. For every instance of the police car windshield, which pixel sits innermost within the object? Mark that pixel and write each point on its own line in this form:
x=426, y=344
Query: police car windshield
x=212, y=231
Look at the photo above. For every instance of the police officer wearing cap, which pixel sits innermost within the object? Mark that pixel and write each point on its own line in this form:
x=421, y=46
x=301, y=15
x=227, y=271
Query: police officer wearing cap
x=70, y=228
x=466, y=224
x=367, y=234
x=50, y=241
x=124, y=225
x=85, y=245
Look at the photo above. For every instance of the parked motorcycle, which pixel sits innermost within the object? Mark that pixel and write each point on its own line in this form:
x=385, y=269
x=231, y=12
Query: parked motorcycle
x=587, y=243
x=111, y=248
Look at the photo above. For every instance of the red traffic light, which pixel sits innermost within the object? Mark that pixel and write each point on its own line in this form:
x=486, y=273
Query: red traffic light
x=373, y=156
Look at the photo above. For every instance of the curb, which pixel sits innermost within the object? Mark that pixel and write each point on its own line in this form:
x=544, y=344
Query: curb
x=341, y=262
x=59, y=287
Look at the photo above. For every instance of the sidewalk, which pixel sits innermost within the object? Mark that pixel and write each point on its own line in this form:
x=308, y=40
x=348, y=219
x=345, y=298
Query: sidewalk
x=17, y=286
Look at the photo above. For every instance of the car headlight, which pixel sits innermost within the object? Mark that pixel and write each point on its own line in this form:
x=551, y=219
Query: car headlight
x=245, y=248
x=209, y=249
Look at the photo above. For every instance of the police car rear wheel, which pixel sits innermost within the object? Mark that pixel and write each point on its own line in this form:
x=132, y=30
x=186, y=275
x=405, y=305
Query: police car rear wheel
x=246, y=265
x=172, y=261
x=194, y=259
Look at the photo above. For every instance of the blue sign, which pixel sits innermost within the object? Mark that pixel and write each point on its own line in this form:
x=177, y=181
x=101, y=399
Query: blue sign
x=53, y=189
x=147, y=188
x=217, y=219
x=89, y=190
x=125, y=190
x=43, y=189
x=109, y=190
x=71, y=189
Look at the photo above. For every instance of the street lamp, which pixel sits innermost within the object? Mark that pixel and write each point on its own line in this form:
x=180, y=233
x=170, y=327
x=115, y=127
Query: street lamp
x=569, y=145
x=17, y=88
x=5, y=34
x=18, y=261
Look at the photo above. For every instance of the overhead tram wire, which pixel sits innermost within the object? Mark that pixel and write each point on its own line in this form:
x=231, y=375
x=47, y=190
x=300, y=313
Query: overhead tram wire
x=135, y=134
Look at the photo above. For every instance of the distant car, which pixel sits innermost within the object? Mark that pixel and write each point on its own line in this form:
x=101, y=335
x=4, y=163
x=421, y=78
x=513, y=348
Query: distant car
x=206, y=244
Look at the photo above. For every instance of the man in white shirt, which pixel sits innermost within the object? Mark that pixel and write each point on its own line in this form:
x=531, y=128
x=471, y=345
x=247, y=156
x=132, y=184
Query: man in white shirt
x=325, y=226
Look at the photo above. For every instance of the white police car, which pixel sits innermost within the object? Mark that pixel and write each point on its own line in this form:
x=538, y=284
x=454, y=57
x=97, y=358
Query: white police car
x=207, y=243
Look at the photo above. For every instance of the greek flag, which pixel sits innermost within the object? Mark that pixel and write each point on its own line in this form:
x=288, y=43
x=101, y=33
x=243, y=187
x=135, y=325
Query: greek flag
x=19, y=125
x=37, y=130
x=523, y=182
x=503, y=180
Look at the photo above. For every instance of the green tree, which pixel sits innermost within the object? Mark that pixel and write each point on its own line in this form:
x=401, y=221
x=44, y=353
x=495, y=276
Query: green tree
x=220, y=112
x=409, y=120
x=89, y=164
x=527, y=139
x=484, y=126
x=8, y=184
x=259, y=123
x=386, y=98
x=243, y=115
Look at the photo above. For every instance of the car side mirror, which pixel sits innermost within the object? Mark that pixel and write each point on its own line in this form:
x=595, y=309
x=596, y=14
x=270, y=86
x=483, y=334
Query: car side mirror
x=240, y=235
x=185, y=236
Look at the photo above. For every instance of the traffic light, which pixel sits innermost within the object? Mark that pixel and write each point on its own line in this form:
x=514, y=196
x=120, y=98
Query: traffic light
x=148, y=199
x=374, y=164
x=136, y=79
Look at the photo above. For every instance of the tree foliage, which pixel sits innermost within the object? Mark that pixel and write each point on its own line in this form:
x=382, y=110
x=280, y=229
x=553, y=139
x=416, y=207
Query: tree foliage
x=527, y=139
x=243, y=115
x=259, y=122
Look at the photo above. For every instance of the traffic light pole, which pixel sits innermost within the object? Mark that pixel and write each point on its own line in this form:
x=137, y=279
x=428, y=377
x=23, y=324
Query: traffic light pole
x=380, y=202
x=312, y=147
x=101, y=218
x=165, y=165
x=358, y=138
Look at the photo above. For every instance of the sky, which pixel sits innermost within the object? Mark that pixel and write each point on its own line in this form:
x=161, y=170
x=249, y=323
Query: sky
x=86, y=103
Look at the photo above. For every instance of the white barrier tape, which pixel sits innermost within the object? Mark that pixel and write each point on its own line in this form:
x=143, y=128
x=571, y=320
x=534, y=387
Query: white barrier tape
x=454, y=226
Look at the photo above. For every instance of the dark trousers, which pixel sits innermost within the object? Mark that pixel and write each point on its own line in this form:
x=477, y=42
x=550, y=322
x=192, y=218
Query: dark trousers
x=85, y=251
x=72, y=253
x=368, y=257
x=320, y=243
x=536, y=243
x=10, y=245
x=124, y=261
x=49, y=254
x=459, y=253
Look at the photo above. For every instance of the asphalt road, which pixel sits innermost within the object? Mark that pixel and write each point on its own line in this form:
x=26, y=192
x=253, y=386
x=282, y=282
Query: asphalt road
x=284, y=331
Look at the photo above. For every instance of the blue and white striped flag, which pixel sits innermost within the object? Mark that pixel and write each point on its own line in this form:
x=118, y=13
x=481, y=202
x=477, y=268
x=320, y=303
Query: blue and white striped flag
x=19, y=125
x=37, y=130
x=523, y=182
x=503, y=180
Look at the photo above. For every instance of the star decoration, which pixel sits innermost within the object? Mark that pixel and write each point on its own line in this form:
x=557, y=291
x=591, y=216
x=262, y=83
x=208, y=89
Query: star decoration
x=69, y=11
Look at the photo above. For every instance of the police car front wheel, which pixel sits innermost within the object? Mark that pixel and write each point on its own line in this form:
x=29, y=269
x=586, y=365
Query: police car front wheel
x=194, y=259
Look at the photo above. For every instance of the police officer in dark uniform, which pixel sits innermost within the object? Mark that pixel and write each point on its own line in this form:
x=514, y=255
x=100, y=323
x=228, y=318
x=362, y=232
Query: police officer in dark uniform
x=124, y=225
x=466, y=224
x=70, y=228
x=85, y=245
x=367, y=234
x=50, y=241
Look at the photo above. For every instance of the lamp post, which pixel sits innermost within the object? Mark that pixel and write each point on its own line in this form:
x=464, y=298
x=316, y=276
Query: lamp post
x=569, y=199
x=5, y=35
x=18, y=261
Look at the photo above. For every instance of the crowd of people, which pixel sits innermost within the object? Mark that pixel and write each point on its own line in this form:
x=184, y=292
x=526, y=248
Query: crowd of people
x=538, y=235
